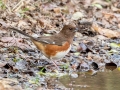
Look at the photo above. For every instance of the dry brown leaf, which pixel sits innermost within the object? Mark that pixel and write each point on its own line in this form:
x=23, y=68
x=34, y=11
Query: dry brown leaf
x=3, y=31
x=18, y=44
x=119, y=26
x=57, y=10
x=106, y=32
x=2, y=64
x=31, y=7
x=11, y=39
x=108, y=15
x=77, y=15
x=101, y=37
x=22, y=23
x=21, y=3
x=115, y=9
x=41, y=23
x=48, y=6
x=3, y=23
x=71, y=6
x=1, y=44
x=2, y=86
x=6, y=84
x=87, y=2
x=101, y=2
x=33, y=21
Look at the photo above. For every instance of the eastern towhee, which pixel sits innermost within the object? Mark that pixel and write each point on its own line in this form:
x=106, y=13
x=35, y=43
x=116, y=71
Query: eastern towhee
x=55, y=46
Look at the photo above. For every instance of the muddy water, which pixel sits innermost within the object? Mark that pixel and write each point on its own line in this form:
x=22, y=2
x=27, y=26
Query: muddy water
x=108, y=80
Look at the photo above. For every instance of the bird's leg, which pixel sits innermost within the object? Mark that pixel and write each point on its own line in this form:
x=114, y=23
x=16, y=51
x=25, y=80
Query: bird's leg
x=55, y=64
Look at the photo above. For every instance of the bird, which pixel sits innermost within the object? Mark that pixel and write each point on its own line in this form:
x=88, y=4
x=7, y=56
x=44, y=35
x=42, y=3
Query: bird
x=55, y=46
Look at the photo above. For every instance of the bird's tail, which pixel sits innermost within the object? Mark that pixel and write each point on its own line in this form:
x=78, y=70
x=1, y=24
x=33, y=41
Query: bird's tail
x=32, y=38
x=21, y=32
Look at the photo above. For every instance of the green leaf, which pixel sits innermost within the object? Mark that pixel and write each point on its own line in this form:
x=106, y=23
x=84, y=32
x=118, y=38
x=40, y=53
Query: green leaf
x=77, y=53
x=113, y=51
x=108, y=0
x=2, y=5
x=115, y=45
x=16, y=60
x=25, y=9
x=97, y=5
x=22, y=11
x=34, y=80
x=47, y=34
x=65, y=66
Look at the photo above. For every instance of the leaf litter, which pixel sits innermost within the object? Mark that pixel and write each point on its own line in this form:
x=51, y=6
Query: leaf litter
x=95, y=46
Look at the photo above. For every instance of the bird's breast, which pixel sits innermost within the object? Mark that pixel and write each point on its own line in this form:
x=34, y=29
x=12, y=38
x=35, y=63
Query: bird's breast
x=57, y=52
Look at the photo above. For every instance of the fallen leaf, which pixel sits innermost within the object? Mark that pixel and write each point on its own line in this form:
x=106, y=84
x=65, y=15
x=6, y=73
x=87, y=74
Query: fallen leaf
x=108, y=15
x=21, y=64
x=3, y=23
x=106, y=32
x=77, y=53
x=77, y=15
x=57, y=10
x=22, y=23
x=30, y=72
x=91, y=72
x=119, y=26
x=10, y=84
x=2, y=86
x=11, y=39
x=47, y=6
x=97, y=5
x=3, y=31
x=84, y=66
x=113, y=51
x=20, y=45
x=71, y=6
x=31, y=7
x=41, y=88
x=101, y=37
x=115, y=9
x=83, y=46
x=2, y=64
x=115, y=45
x=101, y=2
x=41, y=23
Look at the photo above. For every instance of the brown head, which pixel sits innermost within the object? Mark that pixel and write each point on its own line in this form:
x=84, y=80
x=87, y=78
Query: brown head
x=69, y=30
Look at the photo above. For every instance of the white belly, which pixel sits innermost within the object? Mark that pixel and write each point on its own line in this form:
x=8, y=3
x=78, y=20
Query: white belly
x=61, y=54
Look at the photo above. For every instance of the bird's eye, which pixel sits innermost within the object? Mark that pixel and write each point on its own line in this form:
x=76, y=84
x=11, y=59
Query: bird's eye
x=70, y=28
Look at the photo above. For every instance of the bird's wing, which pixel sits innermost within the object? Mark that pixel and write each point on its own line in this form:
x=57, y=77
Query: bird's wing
x=51, y=40
x=55, y=39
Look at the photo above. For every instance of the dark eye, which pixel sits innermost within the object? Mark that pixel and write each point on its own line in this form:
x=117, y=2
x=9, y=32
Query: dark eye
x=70, y=28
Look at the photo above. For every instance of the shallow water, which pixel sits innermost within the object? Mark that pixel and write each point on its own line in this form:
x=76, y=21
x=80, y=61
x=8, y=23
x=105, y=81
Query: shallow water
x=108, y=80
